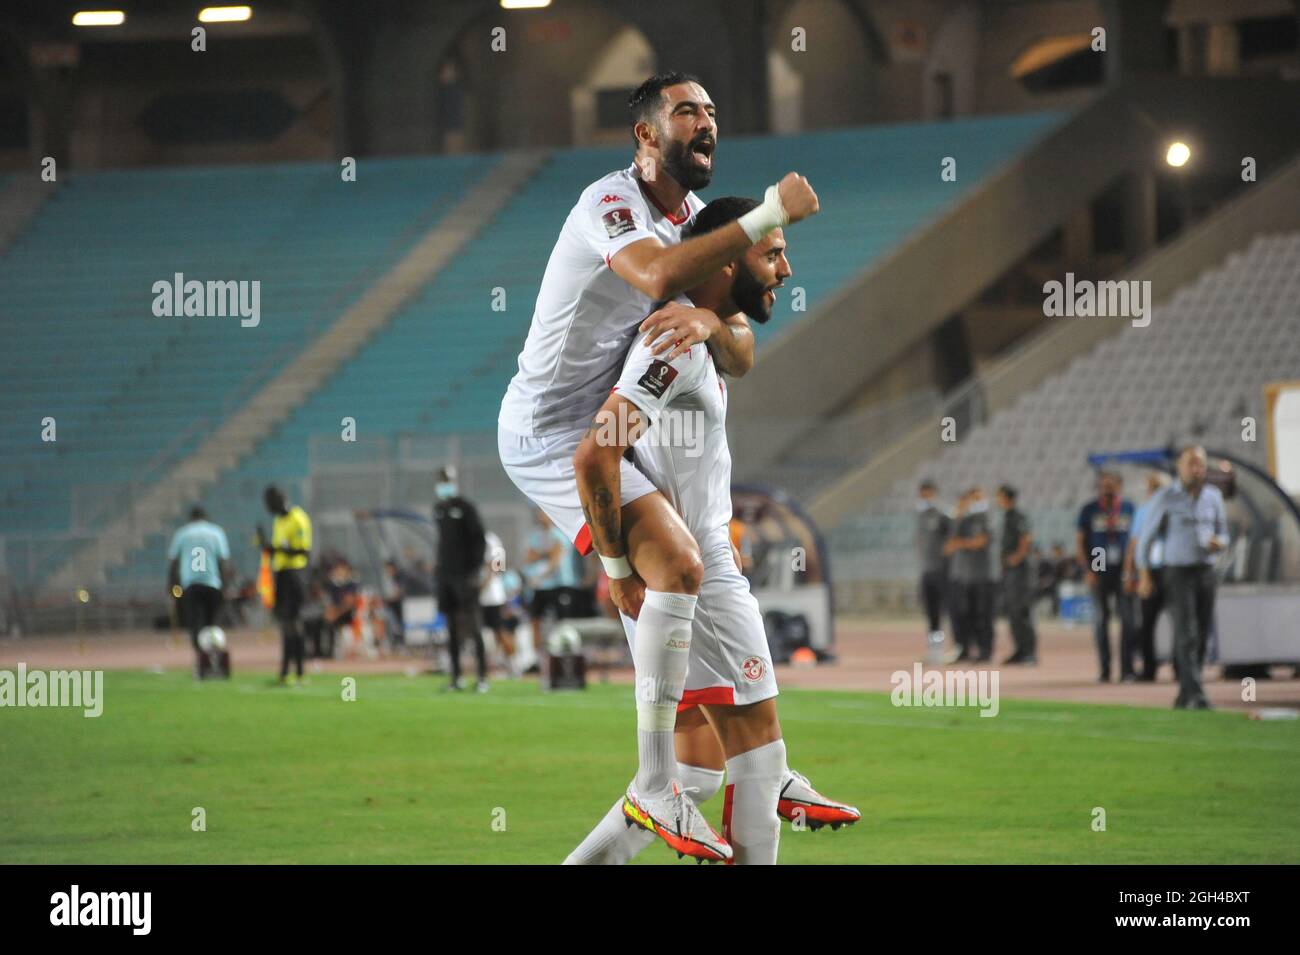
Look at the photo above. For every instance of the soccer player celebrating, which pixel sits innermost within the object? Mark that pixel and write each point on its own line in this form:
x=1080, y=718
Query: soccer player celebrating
x=618, y=255
x=730, y=673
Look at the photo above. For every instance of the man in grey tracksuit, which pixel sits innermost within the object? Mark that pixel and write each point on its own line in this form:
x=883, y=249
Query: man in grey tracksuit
x=972, y=578
x=933, y=527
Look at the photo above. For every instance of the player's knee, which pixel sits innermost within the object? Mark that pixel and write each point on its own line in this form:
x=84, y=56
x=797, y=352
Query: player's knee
x=687, y=571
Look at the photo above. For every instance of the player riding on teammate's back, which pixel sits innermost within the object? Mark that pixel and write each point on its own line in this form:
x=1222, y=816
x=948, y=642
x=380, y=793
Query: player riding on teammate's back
x=727, y=718
x=620, y=253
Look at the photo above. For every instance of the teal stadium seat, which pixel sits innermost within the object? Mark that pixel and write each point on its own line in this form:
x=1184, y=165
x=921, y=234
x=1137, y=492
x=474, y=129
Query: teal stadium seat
x=122, y=383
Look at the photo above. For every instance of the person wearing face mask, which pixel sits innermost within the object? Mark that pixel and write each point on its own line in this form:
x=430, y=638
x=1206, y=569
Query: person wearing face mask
x=972, y=578
x=462, y=547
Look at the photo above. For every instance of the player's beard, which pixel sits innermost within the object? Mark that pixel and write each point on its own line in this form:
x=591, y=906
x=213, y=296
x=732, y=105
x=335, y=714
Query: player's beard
x=677, y=162
x=749, y=294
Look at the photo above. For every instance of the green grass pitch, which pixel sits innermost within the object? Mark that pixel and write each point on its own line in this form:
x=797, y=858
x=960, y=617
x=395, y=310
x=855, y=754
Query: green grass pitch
x=407, y=774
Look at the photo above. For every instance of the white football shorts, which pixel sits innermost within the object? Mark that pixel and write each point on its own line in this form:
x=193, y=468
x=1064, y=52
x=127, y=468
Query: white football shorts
x=542, y=469
x=729, y=659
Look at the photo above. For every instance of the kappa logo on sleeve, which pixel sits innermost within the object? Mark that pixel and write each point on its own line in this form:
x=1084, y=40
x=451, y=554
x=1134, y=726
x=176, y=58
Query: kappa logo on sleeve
x=657, y=377
x=618, y=221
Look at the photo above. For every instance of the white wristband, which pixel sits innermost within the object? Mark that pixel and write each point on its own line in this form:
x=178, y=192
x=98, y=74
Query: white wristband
x=616, y=568
x=759, y=221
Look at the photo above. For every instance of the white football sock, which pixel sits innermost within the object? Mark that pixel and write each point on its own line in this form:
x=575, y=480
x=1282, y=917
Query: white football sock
x=614, y=842
x=707, y=781
x=663, y=643
x=750, y=822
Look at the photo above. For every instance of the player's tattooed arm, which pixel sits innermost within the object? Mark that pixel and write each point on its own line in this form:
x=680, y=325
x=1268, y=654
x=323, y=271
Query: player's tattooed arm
x=597, y=466
x=605, y=521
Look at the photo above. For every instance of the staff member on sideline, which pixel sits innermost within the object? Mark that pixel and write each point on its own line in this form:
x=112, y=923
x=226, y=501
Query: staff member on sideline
x=198, y=553
x=1149, y=609
x=1017, y=578
x=933, y=527
x=1189, y=517
x=1101, y=540
x=492, y=598
x=462, y=546
x=290, y=552
x=972, y=575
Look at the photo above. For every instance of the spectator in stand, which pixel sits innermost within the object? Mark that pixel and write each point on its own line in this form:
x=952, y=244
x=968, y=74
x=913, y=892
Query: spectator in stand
x=1101, y=542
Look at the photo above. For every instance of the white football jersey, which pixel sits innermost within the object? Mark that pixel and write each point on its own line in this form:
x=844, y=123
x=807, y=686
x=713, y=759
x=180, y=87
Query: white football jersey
x=586, y=316
x=685, y=453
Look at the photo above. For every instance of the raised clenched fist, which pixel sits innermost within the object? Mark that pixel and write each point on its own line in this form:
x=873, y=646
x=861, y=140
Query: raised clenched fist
x=797, y=197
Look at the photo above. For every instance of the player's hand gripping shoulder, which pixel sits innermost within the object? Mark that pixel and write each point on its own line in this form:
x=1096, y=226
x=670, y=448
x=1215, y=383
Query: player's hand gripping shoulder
x=673, y=329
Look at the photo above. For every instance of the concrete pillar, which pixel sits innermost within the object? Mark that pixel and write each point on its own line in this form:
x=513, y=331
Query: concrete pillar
x=1076, y=235
x=1139, y=213
x=1134, y=37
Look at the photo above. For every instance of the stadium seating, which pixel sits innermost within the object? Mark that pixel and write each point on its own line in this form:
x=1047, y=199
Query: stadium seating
x=441, y=366
x=1193, y=373
x=124, y=390
x=132, y=392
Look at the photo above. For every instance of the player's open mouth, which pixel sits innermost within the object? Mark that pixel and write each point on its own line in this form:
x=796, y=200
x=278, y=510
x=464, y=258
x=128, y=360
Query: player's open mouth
x=703, y=153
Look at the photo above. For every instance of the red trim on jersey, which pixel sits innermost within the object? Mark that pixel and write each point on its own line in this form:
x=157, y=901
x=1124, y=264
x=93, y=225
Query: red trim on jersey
x=583, y=541
x=679, y=219
x=726, y=818
x=709, y=695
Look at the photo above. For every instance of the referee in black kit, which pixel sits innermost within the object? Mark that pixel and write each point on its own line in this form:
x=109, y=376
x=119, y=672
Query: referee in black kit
x=462, y=545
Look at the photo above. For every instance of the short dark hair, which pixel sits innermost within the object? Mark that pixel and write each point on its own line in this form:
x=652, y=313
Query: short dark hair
x=198, y=514
x=720, y=212
x=1008, y=492
x=645, y=98
x=927, y=485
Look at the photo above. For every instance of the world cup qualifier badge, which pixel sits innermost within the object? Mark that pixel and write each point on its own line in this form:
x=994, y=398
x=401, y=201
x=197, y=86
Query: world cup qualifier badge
x=618, y=221
x=657, y=377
